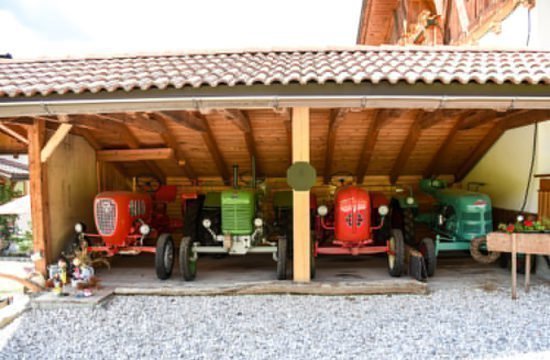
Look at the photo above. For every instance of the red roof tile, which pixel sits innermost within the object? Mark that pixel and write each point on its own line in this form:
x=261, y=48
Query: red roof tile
x=267, y=67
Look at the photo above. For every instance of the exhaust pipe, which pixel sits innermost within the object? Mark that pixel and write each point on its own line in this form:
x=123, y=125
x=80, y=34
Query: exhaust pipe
x=235, y=176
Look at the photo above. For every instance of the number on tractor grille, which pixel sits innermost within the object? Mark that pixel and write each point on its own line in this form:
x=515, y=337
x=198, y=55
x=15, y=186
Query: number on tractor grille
x=105, y=212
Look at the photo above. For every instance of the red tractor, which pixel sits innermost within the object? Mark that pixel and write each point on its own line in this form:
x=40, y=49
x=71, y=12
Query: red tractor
x=129, y=223
x=356, y=226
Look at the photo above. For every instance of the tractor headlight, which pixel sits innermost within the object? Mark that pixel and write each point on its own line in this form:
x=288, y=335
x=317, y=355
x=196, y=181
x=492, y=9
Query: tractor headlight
x=79, y=227
x=409, y=200
x=520, y=218
x=207, y=223
x=383, y=210
x=144, y=229
x=322, y=210
x=258, y=222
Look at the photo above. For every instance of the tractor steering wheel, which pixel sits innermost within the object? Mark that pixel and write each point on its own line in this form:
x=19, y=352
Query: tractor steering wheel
x=147, y=183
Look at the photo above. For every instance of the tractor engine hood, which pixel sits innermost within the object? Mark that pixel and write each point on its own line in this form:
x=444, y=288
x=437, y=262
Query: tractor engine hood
x=463, y=199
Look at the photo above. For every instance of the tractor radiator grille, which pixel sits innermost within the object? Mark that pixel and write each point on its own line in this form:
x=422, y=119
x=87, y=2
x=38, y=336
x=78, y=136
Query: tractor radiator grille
x=237, y=218
x=477, y=223
x=105, y=212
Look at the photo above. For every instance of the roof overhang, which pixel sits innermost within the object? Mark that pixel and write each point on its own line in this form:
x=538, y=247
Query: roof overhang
x=383, y=95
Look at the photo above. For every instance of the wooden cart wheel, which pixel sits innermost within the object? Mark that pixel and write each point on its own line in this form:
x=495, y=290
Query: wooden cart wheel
x=164, y=256
x=188, y=266
x=396, y=254
x=281, y=258
x=427, y=249
x=478, y=250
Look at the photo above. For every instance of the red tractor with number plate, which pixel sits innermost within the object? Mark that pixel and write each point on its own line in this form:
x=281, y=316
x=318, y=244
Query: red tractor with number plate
x=355, y=225
x=129, y=223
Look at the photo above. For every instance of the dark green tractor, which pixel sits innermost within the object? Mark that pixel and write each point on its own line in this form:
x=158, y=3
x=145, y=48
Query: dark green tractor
x=460, y=220
x=228, y=223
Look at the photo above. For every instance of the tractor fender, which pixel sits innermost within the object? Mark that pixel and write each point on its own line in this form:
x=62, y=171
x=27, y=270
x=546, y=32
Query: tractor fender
x=378, y=199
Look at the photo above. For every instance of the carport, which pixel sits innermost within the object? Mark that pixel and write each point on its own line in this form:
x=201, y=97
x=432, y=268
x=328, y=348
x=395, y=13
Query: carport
x=385, y=115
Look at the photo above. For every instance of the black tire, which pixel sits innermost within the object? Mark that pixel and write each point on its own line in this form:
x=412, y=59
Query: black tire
x=427, y=249
x=408, y=227
x=164, y=256
x=281, y=258
x=188, y=266
x=396, y=261
x=480, y=255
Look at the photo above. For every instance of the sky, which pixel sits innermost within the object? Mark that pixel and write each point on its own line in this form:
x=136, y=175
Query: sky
x=54, y=28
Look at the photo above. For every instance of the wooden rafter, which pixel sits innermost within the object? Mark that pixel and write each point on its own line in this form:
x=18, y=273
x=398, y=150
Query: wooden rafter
x=510, y=120
x=443, y=150
x=408, y=146
x=479, y=118
x=480, y=150
x=190, y=121
x=56, y=139
x=14, y=134
x=336, y=118
x=242, y=121
x=430, y=119
x=138, y=120
x=133, y=143
x=170, y=140
x=135, y=154
x=214, y=150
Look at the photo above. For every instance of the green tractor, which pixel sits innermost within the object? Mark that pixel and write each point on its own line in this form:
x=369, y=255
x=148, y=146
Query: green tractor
x=460, y=220
x=228, y=223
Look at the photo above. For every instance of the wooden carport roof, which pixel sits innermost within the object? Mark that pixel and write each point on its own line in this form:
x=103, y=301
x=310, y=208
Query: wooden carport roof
x=374, y=110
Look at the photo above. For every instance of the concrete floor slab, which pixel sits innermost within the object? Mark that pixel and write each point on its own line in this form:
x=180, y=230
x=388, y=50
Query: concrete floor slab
x=50, y=300
x=253, y=274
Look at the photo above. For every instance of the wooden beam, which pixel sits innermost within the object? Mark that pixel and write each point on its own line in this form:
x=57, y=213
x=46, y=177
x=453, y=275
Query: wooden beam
x=214, y=150
x=241, y=119
x=433, y=118
x=170, y=140
x=14, y=134
x=54, y=141
x=443, y=150
x=138, y=120
x=408, y=146
x=39, y=195
x=481, y=149
x=88, y=136
x=479, y=118
x=135, y=155
x=301, y=215
x=524, y=117
x=186, y=119
x=336, y=118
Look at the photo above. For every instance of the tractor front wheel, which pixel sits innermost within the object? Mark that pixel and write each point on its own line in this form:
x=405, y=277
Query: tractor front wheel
x=164, y=256
x=188, y=265
x=427, y=249
x=396, y=253
x=281, y=257
x=479, y=252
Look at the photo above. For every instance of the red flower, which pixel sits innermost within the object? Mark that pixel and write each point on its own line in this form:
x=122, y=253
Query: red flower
x=510, y=228
x=528, y=223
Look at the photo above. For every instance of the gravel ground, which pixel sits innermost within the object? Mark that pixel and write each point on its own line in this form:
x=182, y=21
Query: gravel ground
x=445, y=324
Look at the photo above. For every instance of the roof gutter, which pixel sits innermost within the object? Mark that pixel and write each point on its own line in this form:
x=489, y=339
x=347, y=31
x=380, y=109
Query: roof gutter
x=127, y=104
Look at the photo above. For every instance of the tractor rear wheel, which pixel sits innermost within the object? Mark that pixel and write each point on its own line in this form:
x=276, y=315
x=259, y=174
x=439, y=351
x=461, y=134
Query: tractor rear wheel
x=479, y=252
x=281, y=257
x=188, y=265
x=408, y=227
x=396, y=253
x=164, y=256
x=427, y=249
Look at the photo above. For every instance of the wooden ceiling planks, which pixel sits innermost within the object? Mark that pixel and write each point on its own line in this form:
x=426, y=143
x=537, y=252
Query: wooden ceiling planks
x=448, y=147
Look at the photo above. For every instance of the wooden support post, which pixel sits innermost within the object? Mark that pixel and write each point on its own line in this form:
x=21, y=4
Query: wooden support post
x=39, y=195
x=301, y=221
x=514, y=266
x=527, y=271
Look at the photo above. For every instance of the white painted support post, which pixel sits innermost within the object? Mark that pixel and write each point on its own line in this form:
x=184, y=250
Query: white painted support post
x=302, y=232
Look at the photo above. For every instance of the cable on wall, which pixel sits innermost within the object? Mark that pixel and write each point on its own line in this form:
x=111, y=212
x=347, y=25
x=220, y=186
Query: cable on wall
x=531, y=167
